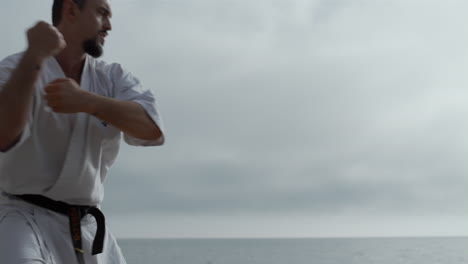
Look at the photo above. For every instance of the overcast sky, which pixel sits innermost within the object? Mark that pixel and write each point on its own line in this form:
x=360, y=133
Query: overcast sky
x=289, y=118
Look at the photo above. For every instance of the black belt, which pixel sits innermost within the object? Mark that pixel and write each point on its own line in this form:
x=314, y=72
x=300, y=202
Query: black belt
x=75, y=213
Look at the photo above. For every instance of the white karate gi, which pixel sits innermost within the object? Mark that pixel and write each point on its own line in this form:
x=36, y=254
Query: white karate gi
x=66, y=158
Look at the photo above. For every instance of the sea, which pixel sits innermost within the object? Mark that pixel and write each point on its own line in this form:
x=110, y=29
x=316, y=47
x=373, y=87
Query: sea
x=425, y=250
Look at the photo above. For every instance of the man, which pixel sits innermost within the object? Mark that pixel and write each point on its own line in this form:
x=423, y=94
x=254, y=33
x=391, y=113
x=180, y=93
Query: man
x=62, y=116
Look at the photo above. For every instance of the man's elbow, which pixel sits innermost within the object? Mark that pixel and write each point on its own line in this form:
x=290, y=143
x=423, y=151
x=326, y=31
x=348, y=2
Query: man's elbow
x=157, y=134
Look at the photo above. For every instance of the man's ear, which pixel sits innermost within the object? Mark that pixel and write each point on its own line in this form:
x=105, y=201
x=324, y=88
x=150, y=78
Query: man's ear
x=70, y=11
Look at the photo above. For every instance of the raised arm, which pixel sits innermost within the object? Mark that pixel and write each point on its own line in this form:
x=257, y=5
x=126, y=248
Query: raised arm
x=65, y=96
x=16, y=95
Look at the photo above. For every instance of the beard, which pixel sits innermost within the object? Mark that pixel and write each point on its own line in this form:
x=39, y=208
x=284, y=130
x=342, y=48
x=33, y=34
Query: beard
x=93, y=48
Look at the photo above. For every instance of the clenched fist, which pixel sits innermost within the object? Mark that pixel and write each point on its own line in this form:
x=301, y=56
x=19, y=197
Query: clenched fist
x=65, y=96
x=45, y=40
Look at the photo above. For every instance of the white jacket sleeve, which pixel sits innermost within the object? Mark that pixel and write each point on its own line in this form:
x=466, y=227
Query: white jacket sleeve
x=128, y=88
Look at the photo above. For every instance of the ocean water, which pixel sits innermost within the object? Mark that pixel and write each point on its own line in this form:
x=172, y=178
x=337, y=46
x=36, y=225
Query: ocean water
x=297, y=251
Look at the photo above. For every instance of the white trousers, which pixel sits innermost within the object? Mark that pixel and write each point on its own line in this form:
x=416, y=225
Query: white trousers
x=30, y=234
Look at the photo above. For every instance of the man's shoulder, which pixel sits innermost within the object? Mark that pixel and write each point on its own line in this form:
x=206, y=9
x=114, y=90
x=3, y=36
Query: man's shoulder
x=11, y=61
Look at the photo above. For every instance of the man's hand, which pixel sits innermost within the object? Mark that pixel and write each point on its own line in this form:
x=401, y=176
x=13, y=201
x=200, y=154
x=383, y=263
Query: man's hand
x=45, y=40
x=65, y=96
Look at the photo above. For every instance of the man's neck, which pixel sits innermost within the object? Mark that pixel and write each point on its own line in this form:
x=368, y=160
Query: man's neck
x=71, y=61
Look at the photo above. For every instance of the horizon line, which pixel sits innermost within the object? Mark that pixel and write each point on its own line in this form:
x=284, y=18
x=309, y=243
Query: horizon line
x=264, y=238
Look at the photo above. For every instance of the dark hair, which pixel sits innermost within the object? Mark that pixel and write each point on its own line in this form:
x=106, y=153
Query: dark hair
x=57, y=10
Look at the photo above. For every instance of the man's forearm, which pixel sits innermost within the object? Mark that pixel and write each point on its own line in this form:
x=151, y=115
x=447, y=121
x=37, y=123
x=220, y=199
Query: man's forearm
x=130, y=117
x=16, y=99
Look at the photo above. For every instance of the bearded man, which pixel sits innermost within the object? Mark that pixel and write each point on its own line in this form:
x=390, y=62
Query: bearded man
x=63, y=113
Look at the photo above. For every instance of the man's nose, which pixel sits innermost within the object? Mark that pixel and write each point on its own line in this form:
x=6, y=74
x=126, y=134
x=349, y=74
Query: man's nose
x=108, y=25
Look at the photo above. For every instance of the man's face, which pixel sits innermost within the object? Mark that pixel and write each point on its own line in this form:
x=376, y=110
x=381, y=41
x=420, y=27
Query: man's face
x=94, y=24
